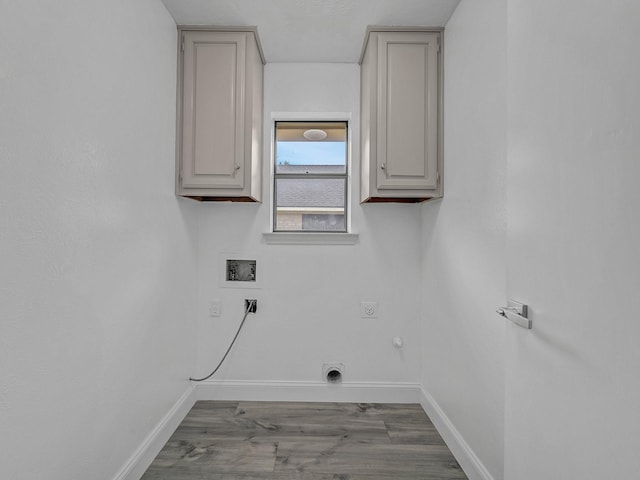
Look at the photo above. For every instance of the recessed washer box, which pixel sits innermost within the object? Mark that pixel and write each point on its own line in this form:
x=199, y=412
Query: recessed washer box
x=240, y=270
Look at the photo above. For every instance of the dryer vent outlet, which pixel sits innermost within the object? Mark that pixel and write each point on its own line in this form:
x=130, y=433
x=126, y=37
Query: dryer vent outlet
x=333, y=372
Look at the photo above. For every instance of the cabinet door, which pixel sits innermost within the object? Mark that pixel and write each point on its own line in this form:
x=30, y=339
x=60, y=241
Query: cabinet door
x=213, y=110
x=408, y=111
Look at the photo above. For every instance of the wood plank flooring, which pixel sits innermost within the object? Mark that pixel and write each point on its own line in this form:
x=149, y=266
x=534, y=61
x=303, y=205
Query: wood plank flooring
x=304, y=441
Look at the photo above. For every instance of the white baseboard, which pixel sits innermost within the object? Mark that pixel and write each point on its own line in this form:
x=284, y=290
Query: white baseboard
x=283, y=391
x=138, y=463
x=465, y=456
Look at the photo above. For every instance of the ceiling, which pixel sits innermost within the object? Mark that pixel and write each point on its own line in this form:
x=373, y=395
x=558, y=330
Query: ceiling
x=312, y=30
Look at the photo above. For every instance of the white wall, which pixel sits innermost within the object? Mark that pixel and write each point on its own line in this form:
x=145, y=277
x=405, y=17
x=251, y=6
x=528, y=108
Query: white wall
x=98, y=272
x=464, y=236
x=570, y=395
x=572, y=391
x=98, y=277
x=308, y=306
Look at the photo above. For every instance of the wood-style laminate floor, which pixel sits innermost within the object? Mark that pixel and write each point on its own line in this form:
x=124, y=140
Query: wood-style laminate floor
x=304, y=441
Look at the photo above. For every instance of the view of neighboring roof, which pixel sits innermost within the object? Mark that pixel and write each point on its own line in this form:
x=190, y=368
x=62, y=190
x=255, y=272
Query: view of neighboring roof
x=310, y=192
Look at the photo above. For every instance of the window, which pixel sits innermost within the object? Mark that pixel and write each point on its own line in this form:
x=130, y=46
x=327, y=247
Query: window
x=310, y=177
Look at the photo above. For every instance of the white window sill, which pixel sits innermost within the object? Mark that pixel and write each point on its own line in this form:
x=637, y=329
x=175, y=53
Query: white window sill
x=299, y=238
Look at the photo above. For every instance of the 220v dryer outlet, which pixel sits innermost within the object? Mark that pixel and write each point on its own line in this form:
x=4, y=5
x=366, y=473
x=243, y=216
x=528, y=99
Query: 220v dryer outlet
x=368, y=309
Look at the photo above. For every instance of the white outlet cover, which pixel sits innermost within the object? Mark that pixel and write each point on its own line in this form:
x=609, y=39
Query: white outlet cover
x=215, y=308
x=368, y=309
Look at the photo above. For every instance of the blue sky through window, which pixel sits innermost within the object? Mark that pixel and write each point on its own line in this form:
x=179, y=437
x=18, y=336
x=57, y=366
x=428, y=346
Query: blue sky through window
x=310, y=153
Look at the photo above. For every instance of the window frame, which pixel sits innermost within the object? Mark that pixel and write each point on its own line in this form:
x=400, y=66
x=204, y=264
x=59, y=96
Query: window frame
x=346, y=176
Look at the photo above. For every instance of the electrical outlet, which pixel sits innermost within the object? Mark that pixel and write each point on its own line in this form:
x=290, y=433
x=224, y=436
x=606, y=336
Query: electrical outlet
x=368, y=309
x=250, y=305
x=215, y=308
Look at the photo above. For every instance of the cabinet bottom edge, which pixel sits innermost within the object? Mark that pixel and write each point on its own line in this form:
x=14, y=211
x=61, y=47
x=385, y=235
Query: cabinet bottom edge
x=398, y=199
x=200, y=198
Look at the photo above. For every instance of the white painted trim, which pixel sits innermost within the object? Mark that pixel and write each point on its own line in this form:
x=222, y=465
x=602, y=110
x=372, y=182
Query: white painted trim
x=138, y=463
x=461, y=450
x=309, y=117
x=282, y=391
x=310, y=238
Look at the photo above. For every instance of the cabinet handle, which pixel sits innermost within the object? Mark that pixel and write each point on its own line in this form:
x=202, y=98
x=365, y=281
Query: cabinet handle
x=383, y=166
x=237, y=167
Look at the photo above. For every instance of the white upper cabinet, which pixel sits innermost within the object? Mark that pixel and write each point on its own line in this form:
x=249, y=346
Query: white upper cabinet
x=401, y=108
x=220, y=115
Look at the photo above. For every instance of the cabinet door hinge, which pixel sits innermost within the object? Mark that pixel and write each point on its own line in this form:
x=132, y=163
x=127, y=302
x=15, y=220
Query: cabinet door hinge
x=182, y=47
x=438, y=179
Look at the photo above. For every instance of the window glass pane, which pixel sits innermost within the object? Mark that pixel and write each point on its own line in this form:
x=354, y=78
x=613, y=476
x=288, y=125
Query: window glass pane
x=310, y=204
x=323, y=222
x=309, y=147
x=304, y=169
x=310, y=192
